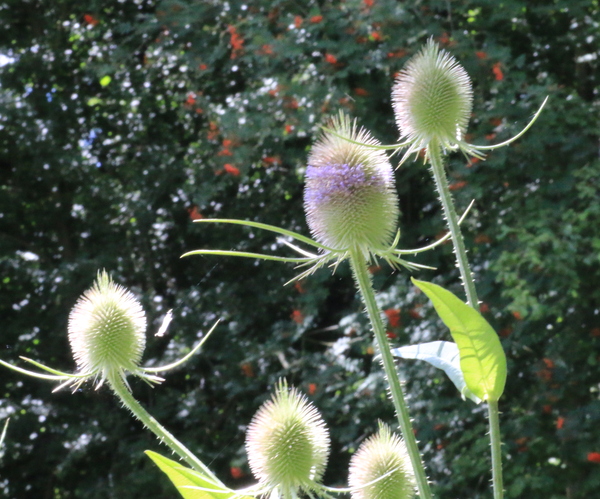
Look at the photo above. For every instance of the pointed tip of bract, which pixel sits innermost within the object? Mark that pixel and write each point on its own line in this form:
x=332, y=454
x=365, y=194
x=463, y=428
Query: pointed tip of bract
x=382, y=455
x=349, y=197
x=432, y=98
x=287, y=442
x=107, y=328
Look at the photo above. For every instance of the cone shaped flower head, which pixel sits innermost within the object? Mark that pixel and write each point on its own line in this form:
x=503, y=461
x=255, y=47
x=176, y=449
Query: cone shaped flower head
x=287, y=443
x=432, y=99
x=107, y=329
x=381, y=468
x=349, y=196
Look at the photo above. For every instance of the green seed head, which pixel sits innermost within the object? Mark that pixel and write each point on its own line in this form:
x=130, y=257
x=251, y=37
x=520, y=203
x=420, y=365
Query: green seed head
x=287, y=442
x=107, y=328
x=382, y=454
x=349, y=197
x=432, y=98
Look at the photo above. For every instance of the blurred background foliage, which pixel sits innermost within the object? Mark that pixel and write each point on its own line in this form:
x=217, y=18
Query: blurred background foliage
x=121, y=122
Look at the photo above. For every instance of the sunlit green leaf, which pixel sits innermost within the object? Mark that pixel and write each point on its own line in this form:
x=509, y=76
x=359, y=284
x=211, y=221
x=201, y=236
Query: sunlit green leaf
x=190, y=483
x=482, y=358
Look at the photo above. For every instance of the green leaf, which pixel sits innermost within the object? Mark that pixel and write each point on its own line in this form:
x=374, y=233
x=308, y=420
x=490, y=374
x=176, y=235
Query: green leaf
x=105, y=81
x=482, y=358
x=191, y=484
x=441, y=354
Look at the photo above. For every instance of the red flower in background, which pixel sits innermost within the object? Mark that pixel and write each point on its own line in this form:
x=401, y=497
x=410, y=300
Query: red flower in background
x=454, y=186
x=297, y=317
x=312, y=388
x=90, y=19
x=194, y=213
x=593, y=457
x=498, y=74
x=316, y=19
x=376, y=36
x=236, y=41
x=267, y=49
x=393, y=316
x=232, y=170
x=330, y=58
x=236, y=472
x=191, y=99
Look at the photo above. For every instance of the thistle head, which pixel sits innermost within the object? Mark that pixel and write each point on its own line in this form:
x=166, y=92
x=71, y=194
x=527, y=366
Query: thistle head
x=432, y=99
x=107, y=329
x=382, y=455
x=287, y=443
x=349, y=196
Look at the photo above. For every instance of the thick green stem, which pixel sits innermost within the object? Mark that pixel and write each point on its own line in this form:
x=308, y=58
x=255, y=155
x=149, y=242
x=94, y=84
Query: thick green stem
x=122, y=391
x=441, y=183
x=496, y=445
x=363, y=281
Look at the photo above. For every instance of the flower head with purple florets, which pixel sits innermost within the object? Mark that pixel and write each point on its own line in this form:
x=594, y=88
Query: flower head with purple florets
x=349, y=197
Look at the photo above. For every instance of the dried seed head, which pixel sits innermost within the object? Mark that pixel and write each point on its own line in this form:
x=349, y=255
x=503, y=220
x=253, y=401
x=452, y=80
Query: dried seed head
x=349, y=197
x=432, y=98
x=107, y=328
x=287, y=442
x=382, y=454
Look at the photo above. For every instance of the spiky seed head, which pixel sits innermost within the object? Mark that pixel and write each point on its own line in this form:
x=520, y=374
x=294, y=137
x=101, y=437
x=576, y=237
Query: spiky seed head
x=287, y=442
x=432, y=98
x=350, y=199
x=107, y=328
x=382, y=454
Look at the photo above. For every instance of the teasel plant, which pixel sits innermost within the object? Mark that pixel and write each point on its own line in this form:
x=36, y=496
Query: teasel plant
x=432, y=101
x=107, y=335
x=351, y=209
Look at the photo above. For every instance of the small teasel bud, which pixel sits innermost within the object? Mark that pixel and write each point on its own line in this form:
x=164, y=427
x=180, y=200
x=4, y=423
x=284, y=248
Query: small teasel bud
x=432, y=98
x=349, y=196
x=287, y=443
x=107, y=329
x=381, y=468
